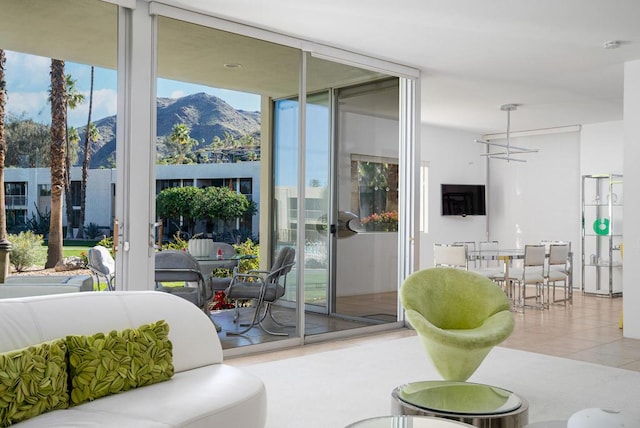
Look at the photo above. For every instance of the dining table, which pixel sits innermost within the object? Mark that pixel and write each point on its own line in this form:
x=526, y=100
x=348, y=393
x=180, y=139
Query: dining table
x=209, y=264
x=507, y=256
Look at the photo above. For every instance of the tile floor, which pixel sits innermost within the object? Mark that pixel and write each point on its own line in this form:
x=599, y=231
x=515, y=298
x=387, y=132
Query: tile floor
x=355, y=312
x=588, y=330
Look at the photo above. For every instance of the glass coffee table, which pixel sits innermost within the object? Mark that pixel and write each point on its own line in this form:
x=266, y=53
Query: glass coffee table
x=404, y=421
x=472, y=403
x=548, y=424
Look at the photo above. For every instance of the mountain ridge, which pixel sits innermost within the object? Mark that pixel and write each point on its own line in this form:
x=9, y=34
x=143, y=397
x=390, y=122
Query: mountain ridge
x=207, y=117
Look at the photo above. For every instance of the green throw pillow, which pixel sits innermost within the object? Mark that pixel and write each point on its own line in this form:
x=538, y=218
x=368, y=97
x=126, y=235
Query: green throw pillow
x=33, y=380
x=103, y=364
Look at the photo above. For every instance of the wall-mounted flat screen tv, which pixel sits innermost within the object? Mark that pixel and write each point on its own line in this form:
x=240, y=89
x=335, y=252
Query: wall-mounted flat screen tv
x=463, y=199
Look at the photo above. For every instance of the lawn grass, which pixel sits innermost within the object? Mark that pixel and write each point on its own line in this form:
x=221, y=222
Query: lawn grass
x=68, y=251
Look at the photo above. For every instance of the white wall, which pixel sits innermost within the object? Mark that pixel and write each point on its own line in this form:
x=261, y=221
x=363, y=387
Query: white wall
x=631, y=271
x=601, y=147
x=540, y=199
x=454, y=158
x=526, y=202
x=366, y=262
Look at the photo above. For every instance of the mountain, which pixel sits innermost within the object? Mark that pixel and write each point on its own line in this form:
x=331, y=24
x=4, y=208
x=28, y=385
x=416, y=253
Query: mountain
x=206, y=115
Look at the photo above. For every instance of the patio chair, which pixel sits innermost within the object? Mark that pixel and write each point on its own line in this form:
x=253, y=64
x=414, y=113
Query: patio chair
x=227, y=261
x=264, y=287
x=181, y=267
x=102, y=265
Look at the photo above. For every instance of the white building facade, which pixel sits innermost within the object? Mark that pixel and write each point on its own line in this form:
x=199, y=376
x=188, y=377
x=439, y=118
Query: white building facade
x=28, y=190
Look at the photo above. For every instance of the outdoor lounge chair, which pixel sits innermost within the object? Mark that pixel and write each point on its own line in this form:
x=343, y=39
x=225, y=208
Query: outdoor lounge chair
x=264, y=287
x=102, y=265
x=181, y=267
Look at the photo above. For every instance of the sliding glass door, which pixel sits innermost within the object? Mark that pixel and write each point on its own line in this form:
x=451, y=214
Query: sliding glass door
x=304, y=131
x=328, y=165
x=351, y=197
x=214, y=130
x=367, y=188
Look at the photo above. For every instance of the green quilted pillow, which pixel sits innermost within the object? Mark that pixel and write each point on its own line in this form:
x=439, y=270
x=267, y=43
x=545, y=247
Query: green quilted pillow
x=33, y=380
x=103, y=364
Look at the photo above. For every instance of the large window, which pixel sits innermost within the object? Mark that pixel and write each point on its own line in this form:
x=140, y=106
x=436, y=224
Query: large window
x=31, y=35
x=15, y=195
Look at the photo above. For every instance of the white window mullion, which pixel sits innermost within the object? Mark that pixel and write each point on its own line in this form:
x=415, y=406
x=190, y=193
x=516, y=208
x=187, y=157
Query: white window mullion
x=136, y=105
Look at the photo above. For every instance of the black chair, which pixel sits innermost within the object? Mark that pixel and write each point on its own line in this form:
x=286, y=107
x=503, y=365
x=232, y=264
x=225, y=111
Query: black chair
x=264, y=287
x=180, y=266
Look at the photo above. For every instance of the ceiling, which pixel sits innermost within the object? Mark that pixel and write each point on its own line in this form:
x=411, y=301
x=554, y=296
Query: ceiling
x=474, y=55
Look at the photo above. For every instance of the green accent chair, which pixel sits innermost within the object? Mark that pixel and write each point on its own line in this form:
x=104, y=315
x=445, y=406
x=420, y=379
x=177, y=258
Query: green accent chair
x=459, y=316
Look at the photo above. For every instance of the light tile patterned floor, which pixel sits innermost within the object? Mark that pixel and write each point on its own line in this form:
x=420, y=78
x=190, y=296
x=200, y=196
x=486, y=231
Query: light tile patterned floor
x=588, y=330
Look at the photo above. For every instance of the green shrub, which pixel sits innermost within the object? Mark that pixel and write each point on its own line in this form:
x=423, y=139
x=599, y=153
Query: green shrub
x=39, y=223
x=248, y=247
x=26, y=250
x=178, y=244
x=106, y=242
x=93, y=230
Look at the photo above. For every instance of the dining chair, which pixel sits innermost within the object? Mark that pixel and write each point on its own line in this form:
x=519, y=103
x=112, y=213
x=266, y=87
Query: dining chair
x=471, y=252
x=558, y=270
x=450, y=255
x=488, y=262
x=224, y=254
x=531, y=273
x=488, y=253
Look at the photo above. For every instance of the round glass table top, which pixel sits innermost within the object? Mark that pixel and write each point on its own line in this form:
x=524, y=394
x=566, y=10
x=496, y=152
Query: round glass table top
x=459, y=397
x=407, y=422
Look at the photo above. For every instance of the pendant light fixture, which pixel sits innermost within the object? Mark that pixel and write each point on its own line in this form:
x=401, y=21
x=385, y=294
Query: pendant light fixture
x=507, y=150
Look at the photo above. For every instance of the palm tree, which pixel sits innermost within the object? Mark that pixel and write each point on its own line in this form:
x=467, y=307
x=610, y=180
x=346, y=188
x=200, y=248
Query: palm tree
x=181, y=138
x=94, y=135
x=58, y=141
x=72, y=141
x=90, y=134
x=5, y=246
x=74, y=98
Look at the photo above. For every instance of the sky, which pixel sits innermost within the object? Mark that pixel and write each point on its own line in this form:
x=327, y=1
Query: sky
x=28, y=83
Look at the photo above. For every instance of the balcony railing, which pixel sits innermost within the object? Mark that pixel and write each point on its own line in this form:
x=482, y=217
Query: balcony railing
x=14, y=201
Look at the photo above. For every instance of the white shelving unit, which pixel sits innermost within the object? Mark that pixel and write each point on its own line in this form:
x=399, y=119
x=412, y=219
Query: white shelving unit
x=602, y=199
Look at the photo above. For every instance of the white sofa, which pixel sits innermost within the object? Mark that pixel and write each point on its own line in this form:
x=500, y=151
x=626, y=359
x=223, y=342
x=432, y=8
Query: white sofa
x=23, y=286
x=203, y=392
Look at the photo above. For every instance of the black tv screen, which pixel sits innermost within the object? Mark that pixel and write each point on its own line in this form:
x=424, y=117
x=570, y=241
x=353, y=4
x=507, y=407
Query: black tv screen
x=463, y=199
